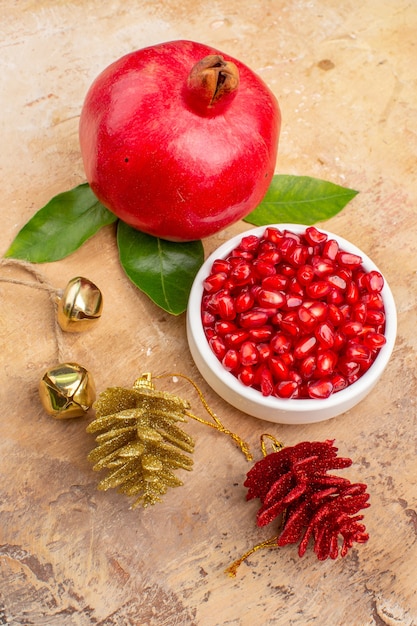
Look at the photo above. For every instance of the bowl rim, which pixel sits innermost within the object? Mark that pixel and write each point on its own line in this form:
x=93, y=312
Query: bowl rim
x=299, y=405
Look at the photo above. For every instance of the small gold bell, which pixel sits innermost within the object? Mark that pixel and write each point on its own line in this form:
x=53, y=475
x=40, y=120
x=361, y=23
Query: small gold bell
x=67, y=390
x=80, y=306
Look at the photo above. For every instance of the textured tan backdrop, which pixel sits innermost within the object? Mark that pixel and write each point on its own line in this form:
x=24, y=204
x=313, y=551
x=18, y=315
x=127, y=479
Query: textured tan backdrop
x=344, y=73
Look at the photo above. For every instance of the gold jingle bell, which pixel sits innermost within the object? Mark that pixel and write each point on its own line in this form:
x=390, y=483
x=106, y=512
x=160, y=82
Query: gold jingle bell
x=67, y=390
x=80, y=306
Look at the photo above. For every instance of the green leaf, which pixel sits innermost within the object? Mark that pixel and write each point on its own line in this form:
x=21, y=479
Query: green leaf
x=299, y=200
x=61, y=226
x=164, y=270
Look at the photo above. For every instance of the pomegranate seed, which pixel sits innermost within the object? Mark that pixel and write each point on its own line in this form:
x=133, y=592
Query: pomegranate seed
x=314, y=236
x=352, y=293
x=249, y=243
x=339, y=340
x=266, y=383
x=278, y=368
x=221, y=266
x=241, y=274
x=244, y=301
x=269, y=311
x=218, y=346
x=235, y=338
x=346, y=311
x=374, y=301
x=348, y=367
x=335, y=280
x=297, y=238
x=270, y=256
x=222, y=327
x=287, y=270
x=298, y=256
x=280, y=343
x=230, y=360
x=260, y=334
x=325, y=334
x=278, y=282
x=335, y=297
x=318, y=289
x=354, y=377
x=330, y=249
x=360, y=312
x=293, y=301
x=214, y=282
x=326, y=362
x=293, y=314
x=303, y=347
x=308, y=366
x=352, y=329
x=210, y=332
x=305, y=274
x=286, y=389
x=286, y=245
x=336, y=317
x=264, y=268
x=291, y=328
x=240, y=255
x=377, y=318
x=295, y=376
x=207, y=318
x=264, y=351
x=374, y=281
x=248, y=353
x=339, y=382
x=318, y=309
x=273, y=234
x=226, y=307
x=270, y=298
x=358, y=352
x=307, y=319
x=288, y=358
x=253, y=319
x=246, y=375
x=374, y=340
x=348, y=259
x=321, y=388
x=360, y=279
x=322, y=267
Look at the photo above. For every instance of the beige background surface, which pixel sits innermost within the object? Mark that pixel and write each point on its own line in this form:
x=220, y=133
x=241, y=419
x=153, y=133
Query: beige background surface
x=344, y=73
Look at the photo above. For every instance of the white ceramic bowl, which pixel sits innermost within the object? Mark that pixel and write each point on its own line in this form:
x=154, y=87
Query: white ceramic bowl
x=271, y=408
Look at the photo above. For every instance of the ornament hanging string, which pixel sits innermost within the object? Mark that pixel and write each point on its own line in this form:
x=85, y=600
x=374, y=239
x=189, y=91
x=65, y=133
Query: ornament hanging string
x=272, y=541
x=216, y=424
x=40, y=284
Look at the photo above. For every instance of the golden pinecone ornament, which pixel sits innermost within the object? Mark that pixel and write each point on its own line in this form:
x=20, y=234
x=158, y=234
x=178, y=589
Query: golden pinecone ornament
x=140, y=443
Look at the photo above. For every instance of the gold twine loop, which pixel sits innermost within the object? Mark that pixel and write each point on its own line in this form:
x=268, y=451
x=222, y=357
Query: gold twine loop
x=272, y=542
x=268, y=543
x=275, y=444
x=217, y=423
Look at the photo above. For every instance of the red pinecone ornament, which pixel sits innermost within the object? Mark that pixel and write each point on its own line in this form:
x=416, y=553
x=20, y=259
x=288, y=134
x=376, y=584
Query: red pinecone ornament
x=295, y=482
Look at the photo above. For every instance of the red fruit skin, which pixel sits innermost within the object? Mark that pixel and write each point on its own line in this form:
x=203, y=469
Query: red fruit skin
x=164, y=164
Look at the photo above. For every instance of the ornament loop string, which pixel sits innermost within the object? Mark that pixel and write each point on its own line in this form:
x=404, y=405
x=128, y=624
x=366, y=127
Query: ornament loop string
x=272, y=542
x=42, y=285
x=217, y=423
x=275, y=444
x=268, y=543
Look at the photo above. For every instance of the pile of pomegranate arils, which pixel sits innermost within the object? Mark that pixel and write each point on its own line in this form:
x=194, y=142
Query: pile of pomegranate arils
x=293, y=315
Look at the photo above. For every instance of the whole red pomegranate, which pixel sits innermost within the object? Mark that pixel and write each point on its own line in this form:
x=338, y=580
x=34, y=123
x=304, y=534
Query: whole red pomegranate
x=179, y=140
